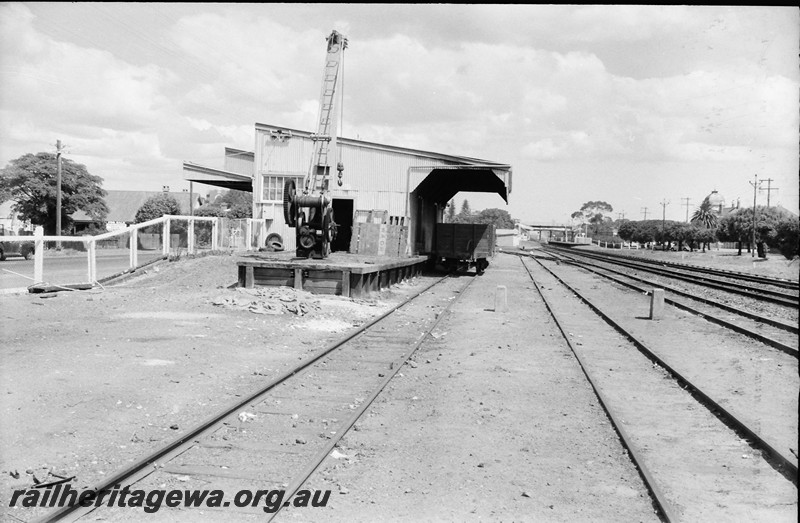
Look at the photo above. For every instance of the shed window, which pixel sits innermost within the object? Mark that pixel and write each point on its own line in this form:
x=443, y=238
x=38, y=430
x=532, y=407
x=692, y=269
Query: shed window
x=273, y=187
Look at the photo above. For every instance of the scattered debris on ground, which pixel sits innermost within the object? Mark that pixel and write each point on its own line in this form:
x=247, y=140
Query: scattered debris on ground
x=277, y=300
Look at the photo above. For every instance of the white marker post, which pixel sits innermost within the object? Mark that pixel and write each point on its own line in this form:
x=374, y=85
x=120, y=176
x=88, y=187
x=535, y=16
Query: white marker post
x=657, y=304
x=501, y=299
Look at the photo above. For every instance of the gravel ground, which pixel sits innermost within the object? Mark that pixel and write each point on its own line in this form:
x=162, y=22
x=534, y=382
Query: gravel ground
x=500, y=425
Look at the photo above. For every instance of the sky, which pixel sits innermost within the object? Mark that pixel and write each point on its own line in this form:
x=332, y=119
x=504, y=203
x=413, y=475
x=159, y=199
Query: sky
x=648, y=108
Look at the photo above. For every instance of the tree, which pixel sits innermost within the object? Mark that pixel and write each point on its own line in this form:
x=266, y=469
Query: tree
x=705, y=219
x=704, y=216
x=643, y=231
x=465, y=216
x=232, y=204
x=235, y=198
x=685, y=233
x=157, y=206
x=738, y=227
x=497, y=217
x=594, y=212
x=210, y=210
x=240, y=210
x=787, y=237
x=705, y=236
x=450, y=213
x=31, y=180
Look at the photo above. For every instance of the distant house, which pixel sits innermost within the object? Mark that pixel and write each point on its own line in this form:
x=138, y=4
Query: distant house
x=122, y=207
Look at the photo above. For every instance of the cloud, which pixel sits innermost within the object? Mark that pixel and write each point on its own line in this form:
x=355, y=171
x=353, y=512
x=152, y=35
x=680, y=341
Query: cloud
x=136, y=89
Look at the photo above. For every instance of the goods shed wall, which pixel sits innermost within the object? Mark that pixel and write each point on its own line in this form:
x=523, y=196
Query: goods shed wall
x=376, y=177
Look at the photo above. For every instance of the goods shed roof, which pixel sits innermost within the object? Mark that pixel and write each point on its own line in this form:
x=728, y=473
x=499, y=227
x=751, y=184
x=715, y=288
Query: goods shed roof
x=217, y=177
x=444, y=182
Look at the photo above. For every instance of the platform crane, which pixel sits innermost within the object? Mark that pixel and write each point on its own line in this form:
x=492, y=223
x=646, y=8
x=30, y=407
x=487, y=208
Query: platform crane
x=316, y=230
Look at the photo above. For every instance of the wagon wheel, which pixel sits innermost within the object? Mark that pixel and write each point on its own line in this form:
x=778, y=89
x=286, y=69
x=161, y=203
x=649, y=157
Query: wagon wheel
x=289, y=207
x=481, y=265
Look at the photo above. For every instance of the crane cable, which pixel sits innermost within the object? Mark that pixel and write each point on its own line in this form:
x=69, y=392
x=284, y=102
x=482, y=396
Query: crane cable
x=341, y=111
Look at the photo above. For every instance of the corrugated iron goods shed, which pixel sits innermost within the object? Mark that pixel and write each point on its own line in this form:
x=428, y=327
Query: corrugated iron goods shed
x=404, y=186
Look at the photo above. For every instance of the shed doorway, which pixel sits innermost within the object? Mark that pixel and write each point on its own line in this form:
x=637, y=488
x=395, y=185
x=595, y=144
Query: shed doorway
x=343, y=216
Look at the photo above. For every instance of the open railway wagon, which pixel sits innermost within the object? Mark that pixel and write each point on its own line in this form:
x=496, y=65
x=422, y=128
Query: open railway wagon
x=461, y=246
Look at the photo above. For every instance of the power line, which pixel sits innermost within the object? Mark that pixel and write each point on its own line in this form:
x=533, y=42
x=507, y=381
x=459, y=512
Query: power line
x=687, y=200
x=769, y=189
x=663, y=205
x=756, y=184
x=58, y=192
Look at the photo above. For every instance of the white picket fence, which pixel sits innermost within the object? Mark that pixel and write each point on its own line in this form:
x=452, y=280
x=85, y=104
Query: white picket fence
x=614, y=245
x=228, y=235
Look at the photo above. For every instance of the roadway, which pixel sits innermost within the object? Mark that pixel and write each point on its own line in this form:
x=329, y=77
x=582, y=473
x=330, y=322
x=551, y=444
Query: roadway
x=17, y=272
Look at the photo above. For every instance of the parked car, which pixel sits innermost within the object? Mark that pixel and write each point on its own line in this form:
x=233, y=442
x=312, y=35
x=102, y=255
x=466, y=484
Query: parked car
x=24, y=249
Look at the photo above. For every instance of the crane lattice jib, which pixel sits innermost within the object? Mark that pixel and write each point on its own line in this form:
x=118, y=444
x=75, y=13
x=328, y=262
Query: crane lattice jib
x=325, y=138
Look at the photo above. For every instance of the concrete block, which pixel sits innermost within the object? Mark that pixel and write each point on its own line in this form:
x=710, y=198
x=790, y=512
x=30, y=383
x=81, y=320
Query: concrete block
x=657, y=304
x=501, y=299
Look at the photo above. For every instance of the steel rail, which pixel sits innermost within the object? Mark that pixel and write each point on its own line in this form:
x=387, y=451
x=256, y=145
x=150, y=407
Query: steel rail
x=673, y=269
x=745, y=290
x=781, y=462
x=186, y=439
x=768, y=280
x=323, y=454
x=763, y=319
x=788, y=349
x=663, y=505
x=777, y=282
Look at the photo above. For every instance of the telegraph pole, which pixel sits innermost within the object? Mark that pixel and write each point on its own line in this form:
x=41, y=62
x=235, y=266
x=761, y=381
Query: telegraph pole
x=58, y=192
x=687, y=200
x=756, y=184
x=644, y=210
x=663, y=204
x=769, y=188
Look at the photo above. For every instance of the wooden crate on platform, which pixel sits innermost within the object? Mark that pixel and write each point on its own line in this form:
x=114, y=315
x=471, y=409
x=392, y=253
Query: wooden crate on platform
x=375, y=239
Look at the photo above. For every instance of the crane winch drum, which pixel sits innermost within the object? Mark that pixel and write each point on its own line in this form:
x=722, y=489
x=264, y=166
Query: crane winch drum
x=316, y=230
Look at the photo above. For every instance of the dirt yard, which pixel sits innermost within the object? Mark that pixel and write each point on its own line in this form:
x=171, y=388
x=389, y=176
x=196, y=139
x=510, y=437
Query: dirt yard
x=493, y=422
x=93, y=379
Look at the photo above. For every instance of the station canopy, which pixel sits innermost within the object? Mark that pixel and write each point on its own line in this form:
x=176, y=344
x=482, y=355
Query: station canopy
x=444, y=182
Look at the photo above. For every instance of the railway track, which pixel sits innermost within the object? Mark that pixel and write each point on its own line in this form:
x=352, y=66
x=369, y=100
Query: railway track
x=762, y=280
x=760, y=288
x=726, y=464
x=275, y=438
x=780, y=334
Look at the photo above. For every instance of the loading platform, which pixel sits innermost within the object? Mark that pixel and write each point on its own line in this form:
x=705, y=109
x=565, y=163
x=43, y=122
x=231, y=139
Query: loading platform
x=343, y=274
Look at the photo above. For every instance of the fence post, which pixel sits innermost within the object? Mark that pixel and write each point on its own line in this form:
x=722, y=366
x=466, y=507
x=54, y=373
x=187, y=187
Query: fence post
x=214, y=234
x=134, y=243
x=38, y=255
x=190, y=236
x=165, y=240
x=88, y=245
x=93, y=247
x=249, y=234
